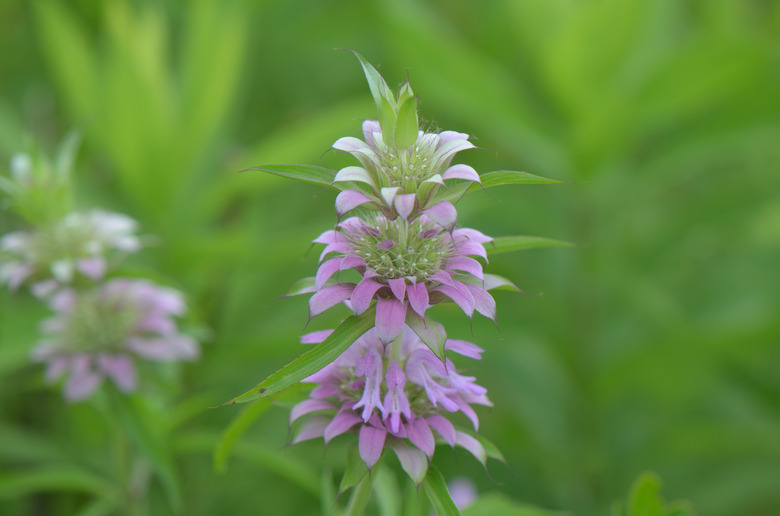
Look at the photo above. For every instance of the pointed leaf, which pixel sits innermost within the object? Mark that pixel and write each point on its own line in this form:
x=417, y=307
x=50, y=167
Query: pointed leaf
x=356, y=470
x=430, y=332
x=303, y=286
x=406, y=126
x=518, y=243
x=436, y=490
x=495, y=178
x=377, y=85
x=311, y=361
x=305, y=173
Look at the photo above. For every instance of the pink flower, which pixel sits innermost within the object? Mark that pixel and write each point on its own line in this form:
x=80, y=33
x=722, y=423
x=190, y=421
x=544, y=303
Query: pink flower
x=78, y=245
x=403, y=265
x=416, y=392
x=98, y=333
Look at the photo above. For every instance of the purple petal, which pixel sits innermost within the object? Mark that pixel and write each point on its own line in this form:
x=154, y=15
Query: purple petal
x=446, y=137
x=355, y=146
x=316, y=337
x=325, y=271
x=418, y=298
x=469, y=443
x=419, y=433
x=386, y=244
x=340, y=424
x=348, y=200
x=82, y=380
x=404, y=205
x=483, y=302
x=358, y=174
x=472, y=234
x=464, y=300
x=338, y=247
x=465, y=264
x=412, y=460
x=363, y=294
x=443, y=214
x=328, y=297
x=398, y=286
x=389, y=193
x=351, y=261
x=471, y=247
x=443, y=427
x=369, y=128
x=462, y=347
x=307, y=407
x=461, y=172
x=443, y=277
x=120, y=369
x=173, y=347
x=390, y=317
x=370, y=444
x=312, y=428
x=462, y=492
x=93, y=267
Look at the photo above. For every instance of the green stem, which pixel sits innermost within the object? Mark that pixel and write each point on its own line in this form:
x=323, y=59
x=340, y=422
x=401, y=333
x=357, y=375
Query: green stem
x=359, y=499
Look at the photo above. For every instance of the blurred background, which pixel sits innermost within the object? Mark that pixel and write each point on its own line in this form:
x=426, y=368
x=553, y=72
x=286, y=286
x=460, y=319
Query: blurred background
x=653, y=345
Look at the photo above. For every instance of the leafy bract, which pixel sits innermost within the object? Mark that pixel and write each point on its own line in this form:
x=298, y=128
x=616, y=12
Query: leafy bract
x=491, y=179
x=519, y=243
x=312, y=361
x=306, y=173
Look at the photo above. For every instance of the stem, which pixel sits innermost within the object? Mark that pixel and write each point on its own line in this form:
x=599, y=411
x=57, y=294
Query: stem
x=359, y=499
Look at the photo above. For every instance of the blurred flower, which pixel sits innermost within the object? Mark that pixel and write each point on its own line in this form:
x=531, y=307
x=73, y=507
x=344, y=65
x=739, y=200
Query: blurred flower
x=402, y=264
x=51, y=257
x=462, y=491
x=97, y=333
x=392, y=396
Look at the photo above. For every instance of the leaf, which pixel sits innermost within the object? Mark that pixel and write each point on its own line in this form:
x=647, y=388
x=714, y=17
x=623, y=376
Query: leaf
x=302, y=286
x=235, y=430
x=377, y=85
x=519, y=243
x=495, y=503
x=386, y=492
x=306, y=173
x=430, y=332
x=311, y=361
x=134, y=417
x=406, y=125
x=645, y=499
x=436, y=490
x=356, y=470
x=491, y=179
x=54, y=478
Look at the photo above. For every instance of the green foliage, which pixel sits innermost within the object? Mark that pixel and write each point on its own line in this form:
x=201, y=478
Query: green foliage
x=645, y=500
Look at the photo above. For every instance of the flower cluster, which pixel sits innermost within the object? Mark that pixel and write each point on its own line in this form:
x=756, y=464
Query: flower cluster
x=392, y=394
x=101, y=323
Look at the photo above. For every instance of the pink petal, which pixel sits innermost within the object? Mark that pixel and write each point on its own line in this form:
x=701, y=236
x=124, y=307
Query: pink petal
x=120, y=369
x=472, y=234
x=312, y=428
x=389, y=193
x=419, y=433
x=465, y=264
x=443, y=214
x=390, y=317
x=443, y=427
x=358, y=174
x=340, y=424
x=351, y=261
x=442, y=277
x=413, y=461
x=348, y=200
x=363, y=294
x=469, y=443
x=338, y=247
x=325, y=271
x=307, y=407
x=329, y=297
x=462, y=347
x=464, y=300
x=398, y=286
x=404, y=205
x=418, y=298
x=82, y=380
x=370, y=444
x=461, y=172
x=483, y=302
x=93, y=267
x=471, y=247
x=316, y=337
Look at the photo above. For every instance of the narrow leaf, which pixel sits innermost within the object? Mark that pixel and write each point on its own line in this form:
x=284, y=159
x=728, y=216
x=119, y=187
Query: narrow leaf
x=53, y=478
x=436, y=490
x=518, y=243
x=356, y=470
x=306, y=173
x=302, y=286
x=311, y=361
x=235, y=430
x=378, y=86
x=406, y=125
x=495, y=178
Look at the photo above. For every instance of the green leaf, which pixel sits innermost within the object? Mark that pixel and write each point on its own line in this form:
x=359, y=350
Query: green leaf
x=302, y=286
x=312, y=361
x=386, y=492
x=135, y=418
x=645, y=498
x=306, y=173
x=388, y=121
x=494, y=503
x=430, y=332
x=519, y=243
x=54, y=478
x=406, y=126
x=235, y=430
x=436, y=490
x=377, y=85
x=356, y=470
x=491, y=179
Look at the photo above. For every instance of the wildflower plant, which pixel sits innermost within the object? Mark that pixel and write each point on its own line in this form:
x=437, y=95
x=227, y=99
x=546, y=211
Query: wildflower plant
x=389, y=373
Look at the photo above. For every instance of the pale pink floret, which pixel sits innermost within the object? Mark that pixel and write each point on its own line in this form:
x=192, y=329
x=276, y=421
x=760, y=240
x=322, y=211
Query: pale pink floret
x=139, y=317
x=416, y=390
